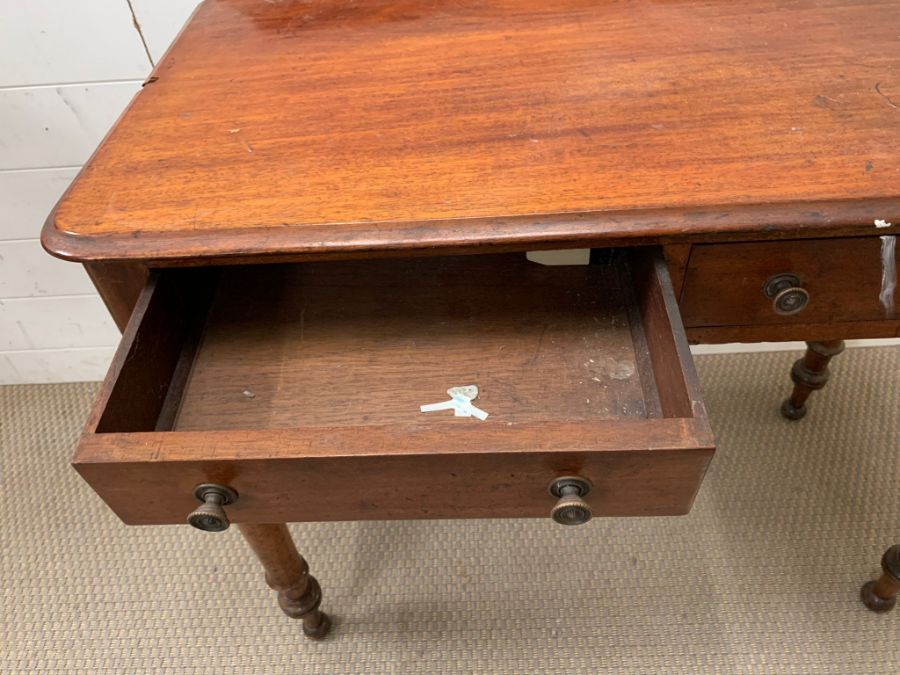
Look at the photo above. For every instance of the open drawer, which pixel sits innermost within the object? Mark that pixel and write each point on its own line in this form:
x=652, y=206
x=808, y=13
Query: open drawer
x=299, y=386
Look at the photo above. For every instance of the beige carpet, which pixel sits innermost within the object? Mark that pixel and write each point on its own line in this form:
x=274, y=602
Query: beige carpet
x=762, y=576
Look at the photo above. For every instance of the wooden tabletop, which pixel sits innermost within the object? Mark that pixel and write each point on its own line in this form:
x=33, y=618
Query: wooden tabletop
x=326, y=127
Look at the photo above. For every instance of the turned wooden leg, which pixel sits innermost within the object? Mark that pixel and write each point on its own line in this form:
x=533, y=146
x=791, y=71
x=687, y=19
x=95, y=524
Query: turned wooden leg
x=809, y=374
x=881, y=595
x=287, y=573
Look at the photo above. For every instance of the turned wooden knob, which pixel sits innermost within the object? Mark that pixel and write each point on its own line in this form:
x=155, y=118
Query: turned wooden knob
x=571, y=509
x=881, y=595
x=210, y=516
x=787, y=295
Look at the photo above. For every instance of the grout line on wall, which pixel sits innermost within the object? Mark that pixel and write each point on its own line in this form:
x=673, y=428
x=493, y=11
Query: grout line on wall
x=57, y=85
x=20, y=240
x=137, y=27
x=29, y=298
x=42, y=168
x=36, y=168
x=54, y=296
x=6, y=352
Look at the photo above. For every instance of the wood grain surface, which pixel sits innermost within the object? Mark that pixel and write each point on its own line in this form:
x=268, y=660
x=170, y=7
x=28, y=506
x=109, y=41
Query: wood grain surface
x=119, y=285
x=367, y=342
x=638, y=468
x=723, y=283
x=323, y=127
x=775, y=332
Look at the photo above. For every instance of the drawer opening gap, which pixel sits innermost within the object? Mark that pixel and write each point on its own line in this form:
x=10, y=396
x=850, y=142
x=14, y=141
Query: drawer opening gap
x=364, y=343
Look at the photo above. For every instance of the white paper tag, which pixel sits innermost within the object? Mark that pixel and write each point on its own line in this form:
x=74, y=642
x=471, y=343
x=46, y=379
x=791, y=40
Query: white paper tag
x=460, y=403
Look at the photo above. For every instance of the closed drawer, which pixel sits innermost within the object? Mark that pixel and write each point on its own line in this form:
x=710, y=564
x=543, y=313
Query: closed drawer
x=299, y=386
x=818, y=281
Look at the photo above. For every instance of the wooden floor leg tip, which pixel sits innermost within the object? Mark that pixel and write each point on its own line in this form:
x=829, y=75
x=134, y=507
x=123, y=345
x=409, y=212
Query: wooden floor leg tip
x=320, y=631
x=792, y=412
x=874, y=602
x=881, y=595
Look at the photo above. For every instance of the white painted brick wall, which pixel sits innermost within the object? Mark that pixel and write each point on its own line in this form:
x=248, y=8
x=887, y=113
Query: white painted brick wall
x=67, y=69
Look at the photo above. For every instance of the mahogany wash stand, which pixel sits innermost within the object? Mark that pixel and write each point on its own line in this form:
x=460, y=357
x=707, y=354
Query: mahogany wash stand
x=285, y=220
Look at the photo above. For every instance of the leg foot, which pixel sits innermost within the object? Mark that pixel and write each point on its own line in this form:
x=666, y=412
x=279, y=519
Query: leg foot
x=881, y=595
x=809, y=374
x=299, y=594
x=792, y=412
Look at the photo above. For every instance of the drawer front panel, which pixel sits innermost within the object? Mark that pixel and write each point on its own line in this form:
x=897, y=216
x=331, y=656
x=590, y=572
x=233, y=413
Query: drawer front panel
x=839, y=280
x=439, y=485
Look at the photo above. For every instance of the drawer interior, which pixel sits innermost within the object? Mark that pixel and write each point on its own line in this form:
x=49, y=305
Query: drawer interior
x=348, y=344
x=300, y=385
x=367, y=342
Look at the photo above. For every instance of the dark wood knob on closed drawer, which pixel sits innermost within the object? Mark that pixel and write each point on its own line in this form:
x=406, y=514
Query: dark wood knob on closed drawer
x=571, y=508
x=787, y=295
x=210, y=516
